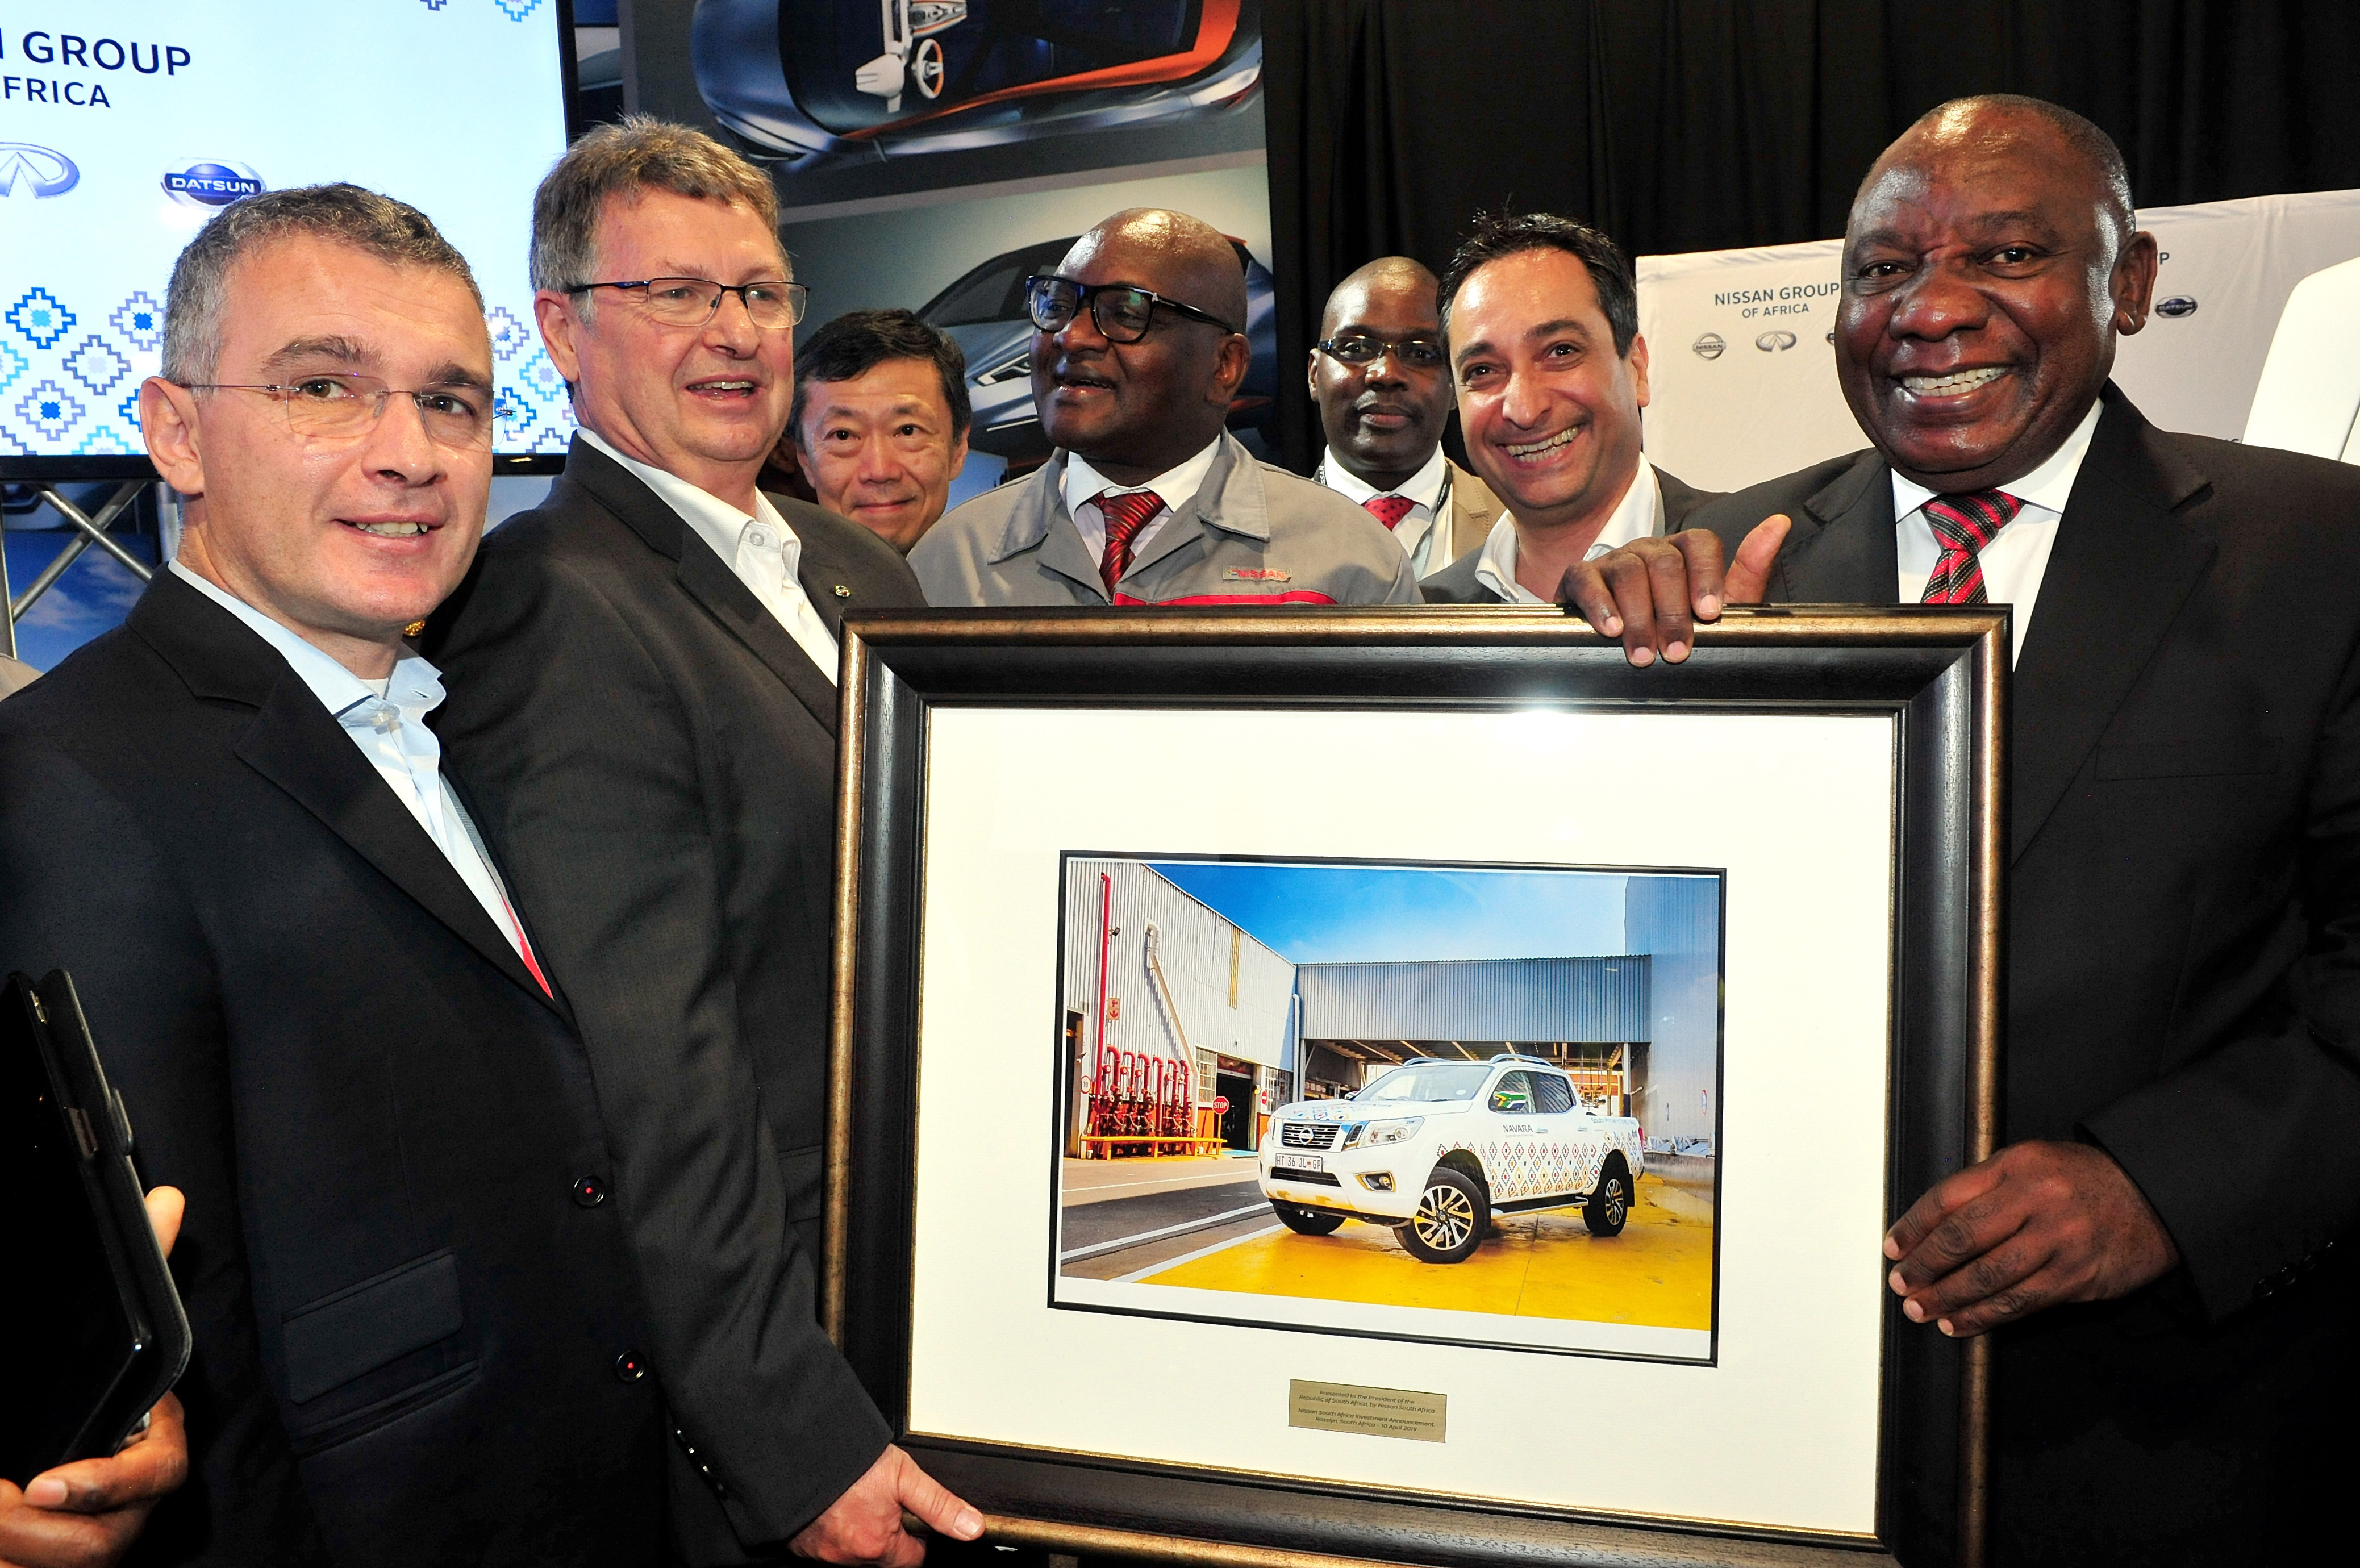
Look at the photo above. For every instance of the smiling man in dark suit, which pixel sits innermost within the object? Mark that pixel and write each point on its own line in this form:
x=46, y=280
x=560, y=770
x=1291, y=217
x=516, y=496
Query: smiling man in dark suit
x=644, y=696
x=2163, y=1247
x=418, y=1327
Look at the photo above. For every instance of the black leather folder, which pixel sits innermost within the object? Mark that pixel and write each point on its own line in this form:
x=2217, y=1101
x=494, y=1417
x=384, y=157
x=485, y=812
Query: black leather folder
x=100, y=1333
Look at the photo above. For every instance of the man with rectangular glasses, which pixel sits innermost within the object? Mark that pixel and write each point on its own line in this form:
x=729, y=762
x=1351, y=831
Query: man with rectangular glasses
x=1148, y=500
x=644, y=675
x=418, y=1330
x=1381, y=379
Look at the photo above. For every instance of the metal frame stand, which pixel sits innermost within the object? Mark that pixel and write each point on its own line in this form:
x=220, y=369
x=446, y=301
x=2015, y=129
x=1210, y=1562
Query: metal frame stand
x=93, y=532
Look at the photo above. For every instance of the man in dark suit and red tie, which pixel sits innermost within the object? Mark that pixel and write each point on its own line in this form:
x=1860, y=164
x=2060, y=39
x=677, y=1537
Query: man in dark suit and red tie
x=2162, y=1246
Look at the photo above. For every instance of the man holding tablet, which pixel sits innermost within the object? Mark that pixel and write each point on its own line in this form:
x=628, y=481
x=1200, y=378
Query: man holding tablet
x=418, y=1329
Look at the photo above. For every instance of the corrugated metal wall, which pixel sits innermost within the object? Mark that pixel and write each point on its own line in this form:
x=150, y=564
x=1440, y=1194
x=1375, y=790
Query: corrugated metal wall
x=1199, y=953
x=1678, y=920
x=1531, y=999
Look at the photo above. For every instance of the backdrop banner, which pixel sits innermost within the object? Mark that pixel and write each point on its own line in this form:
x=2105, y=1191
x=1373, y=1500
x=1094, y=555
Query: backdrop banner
x=1742, y=362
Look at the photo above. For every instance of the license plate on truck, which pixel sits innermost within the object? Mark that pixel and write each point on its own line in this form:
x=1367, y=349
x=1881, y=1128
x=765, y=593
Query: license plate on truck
x=1301, y=1162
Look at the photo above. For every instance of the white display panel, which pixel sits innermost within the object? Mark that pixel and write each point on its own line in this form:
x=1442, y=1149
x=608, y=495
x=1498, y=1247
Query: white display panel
x=1781, y=1431
x=454, y=107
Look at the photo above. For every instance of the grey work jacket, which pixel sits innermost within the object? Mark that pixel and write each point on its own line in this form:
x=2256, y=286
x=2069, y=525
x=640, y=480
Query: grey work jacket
x=1251, y=535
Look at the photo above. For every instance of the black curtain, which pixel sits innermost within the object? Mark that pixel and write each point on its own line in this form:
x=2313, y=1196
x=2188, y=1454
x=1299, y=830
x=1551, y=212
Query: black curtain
x=1699, y=124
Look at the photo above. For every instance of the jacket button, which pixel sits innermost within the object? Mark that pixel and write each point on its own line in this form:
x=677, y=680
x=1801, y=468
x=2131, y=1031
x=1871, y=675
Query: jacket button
x=589, y=1192
x=629, y=1367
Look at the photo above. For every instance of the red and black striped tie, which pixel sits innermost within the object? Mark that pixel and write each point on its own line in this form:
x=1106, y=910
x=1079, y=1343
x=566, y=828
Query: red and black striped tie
x=1125, y=515
x=1965, y=524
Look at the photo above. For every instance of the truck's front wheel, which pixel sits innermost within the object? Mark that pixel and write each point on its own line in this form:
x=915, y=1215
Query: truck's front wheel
x=1452, y=1215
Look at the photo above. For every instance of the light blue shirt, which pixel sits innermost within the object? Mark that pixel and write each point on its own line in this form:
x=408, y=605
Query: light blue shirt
x=389, y=728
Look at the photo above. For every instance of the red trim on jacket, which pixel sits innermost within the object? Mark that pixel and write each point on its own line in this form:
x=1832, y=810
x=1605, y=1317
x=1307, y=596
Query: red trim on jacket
x=1296, y=597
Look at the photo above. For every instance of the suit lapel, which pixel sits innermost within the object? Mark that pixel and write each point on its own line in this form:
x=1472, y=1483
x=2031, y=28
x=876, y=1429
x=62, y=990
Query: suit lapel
x=2122, y=568
x=1842, y=551
x=713, y=584
x=296, y=745
x=706, y=577
x=830, y=582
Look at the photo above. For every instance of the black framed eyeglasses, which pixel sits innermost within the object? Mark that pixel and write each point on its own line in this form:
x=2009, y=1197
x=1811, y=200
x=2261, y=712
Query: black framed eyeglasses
x=692, y=302
x=340, y=407
x=1364, y=348
x=1122, y=313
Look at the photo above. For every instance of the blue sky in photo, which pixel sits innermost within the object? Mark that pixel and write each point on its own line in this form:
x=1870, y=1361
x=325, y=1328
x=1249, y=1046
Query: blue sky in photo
x=94, y=595
x=1348, y=914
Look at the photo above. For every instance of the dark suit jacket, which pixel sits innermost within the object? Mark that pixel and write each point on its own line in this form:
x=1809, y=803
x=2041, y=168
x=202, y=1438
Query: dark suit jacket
x=2183, y=971
x=406, y=1323
x=656, y=759
x=1456, y=584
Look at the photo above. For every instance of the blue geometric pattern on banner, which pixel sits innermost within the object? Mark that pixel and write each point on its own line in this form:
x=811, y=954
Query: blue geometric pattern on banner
x=141, y=319
x=96, y=365
x=436, y=4
x=12, y=365
x=516, y=414
x=508, y=334
x=128, y=409
x=104, y=442
x=518, y=10
x=40, y=317
x=51, y=409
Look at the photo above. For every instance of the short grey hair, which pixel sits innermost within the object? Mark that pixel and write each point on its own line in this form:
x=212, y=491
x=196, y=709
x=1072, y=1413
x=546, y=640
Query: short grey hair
x=638, y=153
x=376, y=225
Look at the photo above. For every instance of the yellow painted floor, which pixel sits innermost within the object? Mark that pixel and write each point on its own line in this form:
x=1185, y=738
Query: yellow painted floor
x=1658, y=1272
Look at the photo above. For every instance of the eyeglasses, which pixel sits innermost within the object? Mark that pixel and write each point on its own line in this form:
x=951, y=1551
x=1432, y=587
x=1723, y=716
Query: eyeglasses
x=692, y=302
x=1121, y=313
x=1417, y=353
x=340, y=406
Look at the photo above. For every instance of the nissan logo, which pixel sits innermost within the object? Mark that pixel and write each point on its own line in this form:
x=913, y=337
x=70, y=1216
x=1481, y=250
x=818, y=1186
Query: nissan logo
x=49, y=172
x=1709, y=346
x=1771, y=343
x=2176, y=306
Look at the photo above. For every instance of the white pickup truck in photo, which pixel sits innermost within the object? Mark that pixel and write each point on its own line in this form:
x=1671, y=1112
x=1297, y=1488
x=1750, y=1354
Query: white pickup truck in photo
x=1435, y=1147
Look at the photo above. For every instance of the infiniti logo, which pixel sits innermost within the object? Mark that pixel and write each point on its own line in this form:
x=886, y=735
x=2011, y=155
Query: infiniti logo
x=1771, y=343
x=46, y=172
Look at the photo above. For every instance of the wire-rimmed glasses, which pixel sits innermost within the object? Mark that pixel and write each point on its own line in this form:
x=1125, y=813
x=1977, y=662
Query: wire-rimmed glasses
x=340, y=406
x=771, y=304
x=1367, y=348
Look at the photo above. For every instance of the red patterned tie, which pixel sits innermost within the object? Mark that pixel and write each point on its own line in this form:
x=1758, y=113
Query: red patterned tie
x=1389, y=509
x=1125, y=515
x=1965, y=524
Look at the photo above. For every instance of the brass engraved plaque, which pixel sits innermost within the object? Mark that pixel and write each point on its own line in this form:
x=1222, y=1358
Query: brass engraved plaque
x=1371, y=1412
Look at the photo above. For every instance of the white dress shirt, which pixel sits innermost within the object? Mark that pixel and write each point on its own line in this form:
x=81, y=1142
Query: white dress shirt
x=1175, y=487
x=765, y=553
x=1423, y=491
x=387, y=721
x=2017, y=557
x=1633, y=518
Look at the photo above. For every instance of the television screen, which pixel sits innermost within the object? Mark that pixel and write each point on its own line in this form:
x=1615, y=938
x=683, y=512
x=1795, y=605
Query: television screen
x=125, y=124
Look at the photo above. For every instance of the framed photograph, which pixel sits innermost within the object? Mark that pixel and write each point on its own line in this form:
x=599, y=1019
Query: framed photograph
x=1404, y=1086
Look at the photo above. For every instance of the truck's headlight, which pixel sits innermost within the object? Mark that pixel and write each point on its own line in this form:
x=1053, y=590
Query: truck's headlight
x=1393, y=1132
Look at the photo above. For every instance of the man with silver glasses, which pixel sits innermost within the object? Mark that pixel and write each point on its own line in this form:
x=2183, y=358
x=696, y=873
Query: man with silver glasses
x=1148, y=499
x=644, y=703
x=324, y=1009
x=1381, y=379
